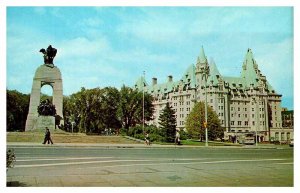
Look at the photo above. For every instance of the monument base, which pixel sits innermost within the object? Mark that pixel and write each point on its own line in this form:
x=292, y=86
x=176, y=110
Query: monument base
x=45, y=121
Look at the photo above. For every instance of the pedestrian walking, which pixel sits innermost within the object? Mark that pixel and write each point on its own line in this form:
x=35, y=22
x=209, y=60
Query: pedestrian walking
x=177, y=138
x=47, y=138
x=147, y=139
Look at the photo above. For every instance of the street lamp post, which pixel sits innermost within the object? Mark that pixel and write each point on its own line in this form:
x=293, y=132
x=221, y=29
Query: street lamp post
x=206, y=135
x=143, y=101
x=205, y=74
x=256, y=120
x=72, y=123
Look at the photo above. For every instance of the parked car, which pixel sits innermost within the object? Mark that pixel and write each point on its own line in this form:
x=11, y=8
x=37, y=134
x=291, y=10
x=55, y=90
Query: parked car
x=291, y=144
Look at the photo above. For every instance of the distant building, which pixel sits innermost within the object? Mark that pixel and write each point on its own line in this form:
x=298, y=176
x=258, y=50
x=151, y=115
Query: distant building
x=287, y=118
x=286, y=133
x=245, y=104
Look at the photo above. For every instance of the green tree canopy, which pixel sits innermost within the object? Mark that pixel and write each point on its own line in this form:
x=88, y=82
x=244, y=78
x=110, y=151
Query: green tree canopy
x=130, y=111
x=167, y=122
x=93, y=110
x=195, y=123
x=17, y=110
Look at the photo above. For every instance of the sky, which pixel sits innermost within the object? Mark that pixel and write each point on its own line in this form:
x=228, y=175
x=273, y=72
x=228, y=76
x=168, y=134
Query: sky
x=112, y=46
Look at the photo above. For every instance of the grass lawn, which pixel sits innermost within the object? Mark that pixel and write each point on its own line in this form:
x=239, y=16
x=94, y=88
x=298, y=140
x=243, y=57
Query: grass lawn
x=64, y=137
x=198, y=143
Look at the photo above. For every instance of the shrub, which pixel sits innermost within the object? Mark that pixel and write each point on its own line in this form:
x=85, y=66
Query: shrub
x=10, y=158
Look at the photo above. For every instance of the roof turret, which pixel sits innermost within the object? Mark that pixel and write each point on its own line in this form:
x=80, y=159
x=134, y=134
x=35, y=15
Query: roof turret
x=141, y=83
x=249, y=69
x=213, y=72
x=189, y=76
x=202, y=58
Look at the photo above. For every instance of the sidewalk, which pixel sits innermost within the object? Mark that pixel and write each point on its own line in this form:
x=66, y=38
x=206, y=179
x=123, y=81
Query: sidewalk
x=103, y=145
x=134, y=145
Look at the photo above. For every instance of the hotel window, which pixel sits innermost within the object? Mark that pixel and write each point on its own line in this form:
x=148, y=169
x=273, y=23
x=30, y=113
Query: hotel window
x=246, y=122
x=253, y=122
x=232, y=123
x=239, y=122
x=276, y=136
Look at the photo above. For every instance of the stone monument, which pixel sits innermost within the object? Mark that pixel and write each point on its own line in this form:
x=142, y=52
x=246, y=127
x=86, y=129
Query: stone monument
x=47, y=74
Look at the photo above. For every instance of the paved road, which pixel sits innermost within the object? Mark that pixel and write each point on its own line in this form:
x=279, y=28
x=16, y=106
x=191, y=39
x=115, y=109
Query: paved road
x=104, y=166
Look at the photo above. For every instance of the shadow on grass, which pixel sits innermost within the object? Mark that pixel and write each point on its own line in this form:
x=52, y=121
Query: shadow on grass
x=15, y=184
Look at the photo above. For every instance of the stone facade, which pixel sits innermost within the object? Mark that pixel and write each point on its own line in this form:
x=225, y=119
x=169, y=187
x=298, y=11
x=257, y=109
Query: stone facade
x=45, y=121
x=44, y=75
x=245, y=104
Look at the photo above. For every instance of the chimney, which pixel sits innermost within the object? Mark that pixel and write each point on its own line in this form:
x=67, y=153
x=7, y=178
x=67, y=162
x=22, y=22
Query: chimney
x=154, y=81
x=170, y=78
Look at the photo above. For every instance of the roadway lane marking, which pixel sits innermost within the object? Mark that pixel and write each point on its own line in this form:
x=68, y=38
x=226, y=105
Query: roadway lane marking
x=115, y=161
x=291, y=163
x=75, y=163
x=107, y=161
x=54, y=159
x=191, y=163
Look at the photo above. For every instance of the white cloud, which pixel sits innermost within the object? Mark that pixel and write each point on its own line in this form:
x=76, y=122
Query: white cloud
x=82, y=47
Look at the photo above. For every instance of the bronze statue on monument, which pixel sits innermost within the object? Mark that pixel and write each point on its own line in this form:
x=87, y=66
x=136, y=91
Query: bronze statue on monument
x=49, y=55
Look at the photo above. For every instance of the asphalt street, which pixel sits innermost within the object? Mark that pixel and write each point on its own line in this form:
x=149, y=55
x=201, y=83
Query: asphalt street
x=126, y=166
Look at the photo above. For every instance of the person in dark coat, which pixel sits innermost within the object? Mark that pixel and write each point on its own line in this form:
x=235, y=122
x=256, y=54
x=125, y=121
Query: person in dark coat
x=47, y=138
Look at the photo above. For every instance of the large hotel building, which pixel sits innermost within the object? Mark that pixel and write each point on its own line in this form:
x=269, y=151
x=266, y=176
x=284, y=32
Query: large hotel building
x=245, y=104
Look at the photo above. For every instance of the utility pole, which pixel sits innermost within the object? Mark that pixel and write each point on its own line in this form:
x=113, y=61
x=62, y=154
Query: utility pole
x=206, y=135
x=143, y=101
x=205, y=73
x=256, y=119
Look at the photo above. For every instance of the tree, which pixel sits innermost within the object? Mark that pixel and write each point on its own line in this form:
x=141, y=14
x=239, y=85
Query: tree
x=195, y=123
x=84, y=107
x=17, y=110
x=167, y=122
x=92, y=110
x=109, y=107
x=130, y=111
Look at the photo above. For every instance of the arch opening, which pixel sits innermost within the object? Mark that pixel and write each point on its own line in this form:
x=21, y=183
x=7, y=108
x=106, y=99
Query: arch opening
x=46, y=92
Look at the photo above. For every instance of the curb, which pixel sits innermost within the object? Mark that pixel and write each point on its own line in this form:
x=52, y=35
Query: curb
x=141, y=145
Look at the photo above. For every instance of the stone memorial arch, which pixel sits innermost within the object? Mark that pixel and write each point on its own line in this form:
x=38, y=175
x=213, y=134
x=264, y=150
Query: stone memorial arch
x=46, y=74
